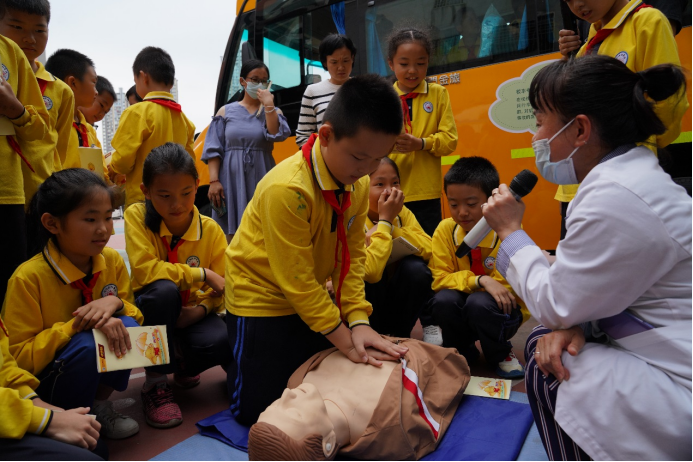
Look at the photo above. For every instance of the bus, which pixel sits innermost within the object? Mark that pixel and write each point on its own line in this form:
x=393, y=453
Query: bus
x=489, y=93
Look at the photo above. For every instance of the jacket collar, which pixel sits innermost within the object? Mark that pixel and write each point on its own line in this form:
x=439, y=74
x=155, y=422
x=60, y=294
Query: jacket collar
x=63, y=267
x=458, y=235
x=194, y=232
x=620, y=17
x=420, y=88
x=43, y=74
x=321, y=173
x=159, y=95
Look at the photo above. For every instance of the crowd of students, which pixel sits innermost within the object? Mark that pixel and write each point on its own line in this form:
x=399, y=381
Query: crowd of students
x=300, y=262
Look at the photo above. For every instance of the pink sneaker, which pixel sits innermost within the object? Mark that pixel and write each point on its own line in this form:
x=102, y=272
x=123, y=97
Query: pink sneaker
x=184, y=381
x=160, y=410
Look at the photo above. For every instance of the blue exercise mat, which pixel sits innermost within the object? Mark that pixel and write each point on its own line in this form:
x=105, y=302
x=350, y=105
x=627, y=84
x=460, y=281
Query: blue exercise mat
x=482, y=429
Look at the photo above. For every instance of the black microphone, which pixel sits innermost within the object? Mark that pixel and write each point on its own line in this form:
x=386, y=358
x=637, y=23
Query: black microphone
x=522, y=184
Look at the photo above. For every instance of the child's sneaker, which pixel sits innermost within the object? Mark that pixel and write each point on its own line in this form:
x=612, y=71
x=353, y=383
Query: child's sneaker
x=114, y=425
x=160, y=410
x=433, y=335
x=184, y=381
x=510, y=367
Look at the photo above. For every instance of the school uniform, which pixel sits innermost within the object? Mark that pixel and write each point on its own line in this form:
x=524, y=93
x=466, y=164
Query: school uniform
x=430, y=113
x=48, y=154
x=398, y=292
x=463, y=310
x=41, y=297
x=641, y=38
x=30, y=126
x=276, y=267
x=167, y=276
x=142, y=128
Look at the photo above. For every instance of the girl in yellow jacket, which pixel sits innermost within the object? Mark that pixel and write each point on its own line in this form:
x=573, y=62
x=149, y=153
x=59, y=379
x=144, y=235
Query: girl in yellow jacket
x=177, y=260
x=75, y=284
x=398, y=290
x=429, y=126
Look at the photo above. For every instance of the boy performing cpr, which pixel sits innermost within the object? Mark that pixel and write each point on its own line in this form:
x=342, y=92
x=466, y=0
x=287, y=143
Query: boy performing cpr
x=303, y=225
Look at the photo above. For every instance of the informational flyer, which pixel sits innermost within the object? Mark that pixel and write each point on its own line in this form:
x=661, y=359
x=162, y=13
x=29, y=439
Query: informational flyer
x=149, y=348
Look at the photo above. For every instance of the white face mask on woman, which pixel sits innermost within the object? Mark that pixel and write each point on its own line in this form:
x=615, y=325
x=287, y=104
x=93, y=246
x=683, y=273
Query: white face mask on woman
x=251, y=88
x=561, y=172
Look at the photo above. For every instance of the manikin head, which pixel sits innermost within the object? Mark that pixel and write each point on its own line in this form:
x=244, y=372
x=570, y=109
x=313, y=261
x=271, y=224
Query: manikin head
x=294, y=427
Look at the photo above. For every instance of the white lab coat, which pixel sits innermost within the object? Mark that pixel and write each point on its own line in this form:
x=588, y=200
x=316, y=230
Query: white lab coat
x=628, y=246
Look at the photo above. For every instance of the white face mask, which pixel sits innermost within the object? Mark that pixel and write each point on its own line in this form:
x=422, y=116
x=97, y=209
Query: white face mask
x=561, y=172
x=251, y=88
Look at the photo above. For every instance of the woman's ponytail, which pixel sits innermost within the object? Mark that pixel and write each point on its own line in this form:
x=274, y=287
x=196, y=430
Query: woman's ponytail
x=654, y=84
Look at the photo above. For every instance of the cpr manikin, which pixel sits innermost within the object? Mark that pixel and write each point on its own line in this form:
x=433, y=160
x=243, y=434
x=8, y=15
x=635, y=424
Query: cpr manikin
x=399, y=411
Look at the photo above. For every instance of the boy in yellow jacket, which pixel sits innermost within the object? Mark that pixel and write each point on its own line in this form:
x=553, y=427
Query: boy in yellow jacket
x=146, y=126
x=30, y=428
x=303, y=225
x=26, y=23
x=473, y=301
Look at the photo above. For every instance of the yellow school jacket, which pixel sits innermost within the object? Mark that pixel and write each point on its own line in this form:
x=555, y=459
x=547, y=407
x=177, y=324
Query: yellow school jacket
x=204, y=247
x=450, y=272
x=641, y=40
x=284, y=250
x=30, y=126
x=406, y=226
x=40, y=300
x=142, y=128
x=432, y=120
x=48, y=154
x=19, y=415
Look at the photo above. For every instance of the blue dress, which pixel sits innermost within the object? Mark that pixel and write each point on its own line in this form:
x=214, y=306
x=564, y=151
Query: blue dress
x=244, y=146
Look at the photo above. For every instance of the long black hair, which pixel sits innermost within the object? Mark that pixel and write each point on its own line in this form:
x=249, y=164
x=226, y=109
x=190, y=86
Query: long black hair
x=618, y=101
x=167, y=159
x=60, y=194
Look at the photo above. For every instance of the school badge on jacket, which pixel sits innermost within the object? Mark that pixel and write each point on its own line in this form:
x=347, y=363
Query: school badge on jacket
x=110, y=289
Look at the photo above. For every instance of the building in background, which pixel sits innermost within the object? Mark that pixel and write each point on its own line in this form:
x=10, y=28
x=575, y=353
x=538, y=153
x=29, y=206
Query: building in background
x=174, y=90
x=112, y=119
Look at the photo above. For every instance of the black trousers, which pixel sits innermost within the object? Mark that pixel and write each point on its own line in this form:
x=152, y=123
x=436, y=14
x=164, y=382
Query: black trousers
x=34, y=447
x=466, y=318
x=400, y=296
x=193, y=349
x=266, y=352
x=428, y=213
x=12, y=243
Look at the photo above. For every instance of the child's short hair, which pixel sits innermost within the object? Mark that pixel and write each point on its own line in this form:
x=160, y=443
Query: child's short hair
x=156, y=63
x=365, y=101
x=404, y=35
x=473, y=171
x=37, y=7
x=132, y=91
x=332, y=43
x=391, y=163
x=103, y=85
x=65, y=63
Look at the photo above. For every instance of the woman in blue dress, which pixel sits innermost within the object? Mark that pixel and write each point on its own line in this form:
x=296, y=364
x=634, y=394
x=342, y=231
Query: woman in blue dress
x=239, y=143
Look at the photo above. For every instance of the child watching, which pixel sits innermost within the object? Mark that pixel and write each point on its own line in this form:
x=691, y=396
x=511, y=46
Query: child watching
x=77, y=71
x=304, y=224
x=103, y=103
x=429, y=126
x=132, y=96
x=144, y=127
x=473, y=301
x=26, y=23
x=75, y=284
x=640, y=37
x=31, y=429
x=177, y=260
x=28, y=120
x=398, y=291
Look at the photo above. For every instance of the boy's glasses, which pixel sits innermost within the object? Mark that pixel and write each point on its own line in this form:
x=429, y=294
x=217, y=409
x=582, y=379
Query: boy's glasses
x=257, y=81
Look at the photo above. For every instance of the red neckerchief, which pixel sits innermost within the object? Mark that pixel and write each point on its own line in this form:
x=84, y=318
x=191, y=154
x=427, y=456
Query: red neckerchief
x=4, y=329
x=81, y=134
x=166, y=103
x=602, y=34
x=331, y=198
x=42, y=85
x=477, y=266
x=405, y=110
x=87, y=289
x=172, y=257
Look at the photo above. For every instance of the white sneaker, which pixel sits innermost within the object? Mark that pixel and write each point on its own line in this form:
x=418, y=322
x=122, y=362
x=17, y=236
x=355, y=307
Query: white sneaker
x=114, y=425
x=510, y=367
x=433, y=335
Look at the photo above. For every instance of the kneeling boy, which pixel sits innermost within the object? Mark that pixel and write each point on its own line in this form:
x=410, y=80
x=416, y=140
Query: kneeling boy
x=473, y=301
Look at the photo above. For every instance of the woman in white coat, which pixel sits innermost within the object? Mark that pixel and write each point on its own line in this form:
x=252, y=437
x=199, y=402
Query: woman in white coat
x=609, y=372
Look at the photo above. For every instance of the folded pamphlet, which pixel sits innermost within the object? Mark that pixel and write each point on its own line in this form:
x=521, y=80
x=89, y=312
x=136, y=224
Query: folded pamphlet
x=489, y=388
x=92, y=160
x=149, y=348
x=401, y=248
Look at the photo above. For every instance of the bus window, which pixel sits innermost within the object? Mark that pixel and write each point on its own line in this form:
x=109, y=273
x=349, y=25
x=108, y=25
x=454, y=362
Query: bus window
x=317, y=25
x=281, y=44
x=242, y=48
x=466, y=33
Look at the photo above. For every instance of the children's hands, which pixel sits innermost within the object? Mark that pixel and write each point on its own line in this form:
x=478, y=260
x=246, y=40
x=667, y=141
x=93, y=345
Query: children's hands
x=214, y=281
x=216, y=194
x=10, y=106
x=118, y=336
x=363, y=336
x=74, y=427
x=330, y=288
x=568, y=41
x=189, y=315
x=549, y=258
x=265, y=97
x=369, y=234
x=550, y=347
x=390, y=204
x=503, y=297
x=94, y=315
x=407, y=142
